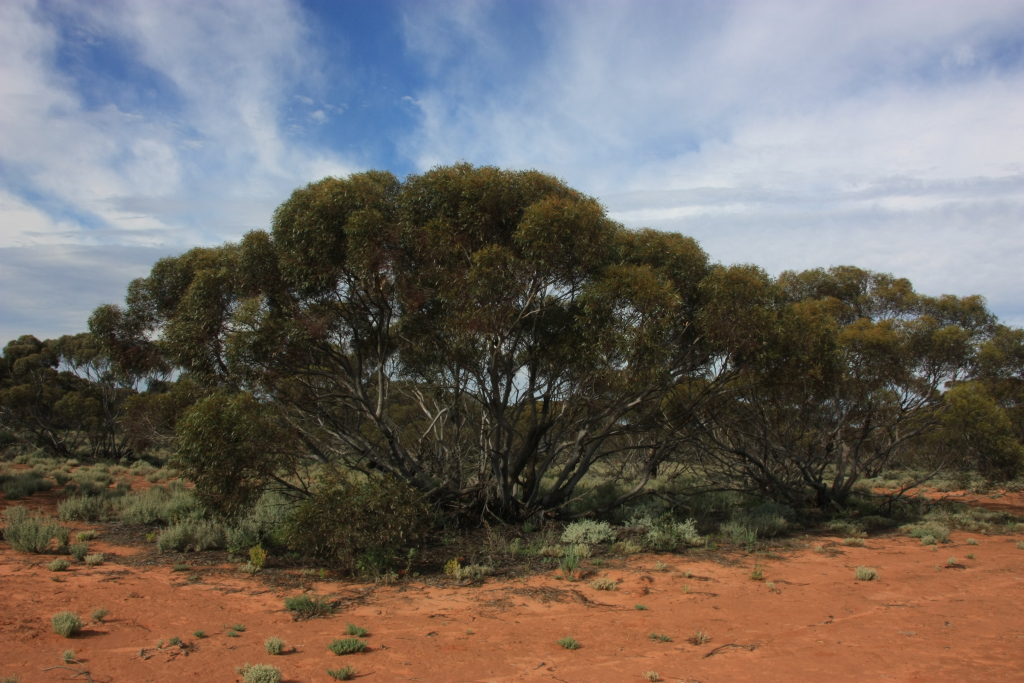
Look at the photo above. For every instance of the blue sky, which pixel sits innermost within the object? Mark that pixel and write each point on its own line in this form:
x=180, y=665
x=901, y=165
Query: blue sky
x=888, y=135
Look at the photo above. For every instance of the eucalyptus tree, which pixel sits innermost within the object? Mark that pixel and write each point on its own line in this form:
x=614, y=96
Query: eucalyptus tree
x=490, y=337
x=835, y=372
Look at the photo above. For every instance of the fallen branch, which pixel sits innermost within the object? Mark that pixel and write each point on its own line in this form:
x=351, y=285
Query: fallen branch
x=737, y=645
x=78, y=672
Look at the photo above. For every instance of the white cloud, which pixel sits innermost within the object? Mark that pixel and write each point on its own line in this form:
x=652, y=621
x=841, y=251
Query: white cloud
x=790, y=134
x=140, y=163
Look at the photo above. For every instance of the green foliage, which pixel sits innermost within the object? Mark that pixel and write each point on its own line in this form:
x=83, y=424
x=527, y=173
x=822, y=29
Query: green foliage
x=273, y=645
x=345, y=673
x=199, y=634
x=666, y=534
x=192, y=535
x=604, y=584
x=58, y=565
x=979, y=433
x=257, y=556
x=94, y=560
x=78, y=550
x=934, y=530
x=259, y=673
x=308, y=607
x=588, y=531
x=640, y=607
x=68, y=656
x=569, y=643
x=854, y=542
x=346, y=646
x=28, y=533
x=231, y=446
x=66, y=624
x=99, y=614
x=361, y=526
x=86, y=509
x=353, y=630
x=660, y=638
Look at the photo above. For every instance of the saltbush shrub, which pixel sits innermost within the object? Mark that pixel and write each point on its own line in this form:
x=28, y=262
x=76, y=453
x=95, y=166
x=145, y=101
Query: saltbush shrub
x=192, y=535
x=666, y=533
x=259, y=673
x=66, y=624
x=28, y=533
x=346, y=646
x=588, y=531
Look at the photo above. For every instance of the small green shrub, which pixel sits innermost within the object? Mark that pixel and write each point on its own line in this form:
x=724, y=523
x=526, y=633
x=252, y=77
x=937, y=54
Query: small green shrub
x=259, y=673
x=174, y=642
x=972, y=541
x=78, y=551
x=865, y=574
x=651, y=676
x=640, y=607
x=99, y=614
x=854, y=542
x=86, y=509
x=928, y=540
x=238, y=628
x=68, y=656
x=660, y=637
x=551, y=551
x=604, y=584
x=758, y=573
x=346, y=646
x=627, y=547
x=58, y=565
x=200, y=634
x=345, y=673
x=570, y=562
x=951, y=561
x=192, y=535
x=257, y=556
x=357, y=631
x=666, y=534
x=588, y=531
x=94, y=559
x=66, y=624
x=28, y=533
x=306, y=607
x=273, y=645
x=569, y=643
x=87, y=535
x=939, y=532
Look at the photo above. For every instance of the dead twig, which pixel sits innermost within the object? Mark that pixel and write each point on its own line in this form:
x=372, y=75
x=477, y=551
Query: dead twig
x=749, y=648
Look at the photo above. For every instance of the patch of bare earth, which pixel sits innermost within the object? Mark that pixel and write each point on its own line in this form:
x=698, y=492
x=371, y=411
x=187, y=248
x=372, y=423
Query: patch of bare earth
x=921, y=620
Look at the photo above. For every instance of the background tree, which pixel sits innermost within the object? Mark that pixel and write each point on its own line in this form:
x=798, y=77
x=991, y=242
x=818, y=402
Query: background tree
x=835, y=372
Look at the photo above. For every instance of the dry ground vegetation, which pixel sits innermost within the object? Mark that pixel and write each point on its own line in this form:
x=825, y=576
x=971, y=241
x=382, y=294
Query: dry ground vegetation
x=114, y=572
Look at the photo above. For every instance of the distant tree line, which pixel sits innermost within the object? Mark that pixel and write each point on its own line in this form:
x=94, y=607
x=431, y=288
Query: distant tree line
x=494, y=340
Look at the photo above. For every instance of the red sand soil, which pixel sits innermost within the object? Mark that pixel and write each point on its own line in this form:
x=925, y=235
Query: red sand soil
x=920, y=621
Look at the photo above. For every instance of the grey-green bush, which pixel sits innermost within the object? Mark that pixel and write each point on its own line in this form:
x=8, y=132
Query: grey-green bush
x=28, y=533
x=192, y=535
x=66, y=624
x=259, y=673
x=588, y=531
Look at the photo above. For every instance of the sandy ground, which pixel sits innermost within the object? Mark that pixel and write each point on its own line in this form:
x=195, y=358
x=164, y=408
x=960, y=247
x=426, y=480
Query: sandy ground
x=922, y=620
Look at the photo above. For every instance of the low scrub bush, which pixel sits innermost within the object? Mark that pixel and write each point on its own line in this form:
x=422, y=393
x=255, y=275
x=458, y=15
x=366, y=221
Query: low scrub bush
x=86, y=509
x=357, y=631
x=569, y=643
x=588, y=531
x=58, y=565
x=345, y=673
x=78, y=551
x=865, y=574
x=346, y=646
x=95, y=559
x=854, y=542
x=16, y=486
x=939, y=532
x=66, y=624
x=28, y=533
x=307, y=607
x=259, y=673
x=363, y=526
x=192, y=535
x=273, y=645
x=603, y=584
x=699, y=638
x=666, y=534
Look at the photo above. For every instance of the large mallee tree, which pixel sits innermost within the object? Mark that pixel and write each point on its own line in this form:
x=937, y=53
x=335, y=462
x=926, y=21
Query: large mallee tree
x=493, y=339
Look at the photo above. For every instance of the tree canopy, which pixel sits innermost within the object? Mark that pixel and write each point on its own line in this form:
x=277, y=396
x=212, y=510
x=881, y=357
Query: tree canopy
x=493, y=339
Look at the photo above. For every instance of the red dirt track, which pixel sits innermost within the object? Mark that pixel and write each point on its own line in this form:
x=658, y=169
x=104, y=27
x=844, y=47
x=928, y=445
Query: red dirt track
x=920, y=621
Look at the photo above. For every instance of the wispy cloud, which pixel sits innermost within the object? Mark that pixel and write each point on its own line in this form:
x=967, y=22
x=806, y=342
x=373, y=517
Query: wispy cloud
x=790, y=134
